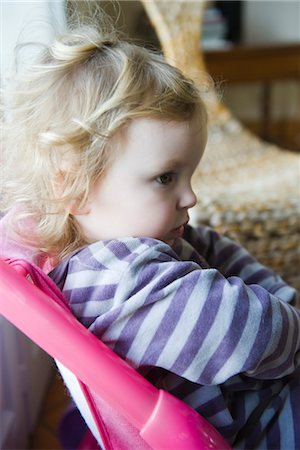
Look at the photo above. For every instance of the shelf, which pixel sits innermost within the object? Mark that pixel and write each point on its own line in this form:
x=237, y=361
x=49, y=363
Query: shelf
x=265, y=65
x=254, y=63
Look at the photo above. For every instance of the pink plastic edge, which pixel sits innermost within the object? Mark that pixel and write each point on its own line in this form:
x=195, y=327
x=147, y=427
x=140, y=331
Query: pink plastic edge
x=163, y=420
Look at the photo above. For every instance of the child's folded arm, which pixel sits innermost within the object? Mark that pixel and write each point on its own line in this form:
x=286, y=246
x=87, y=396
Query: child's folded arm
x=231, y=259
x=196, y=323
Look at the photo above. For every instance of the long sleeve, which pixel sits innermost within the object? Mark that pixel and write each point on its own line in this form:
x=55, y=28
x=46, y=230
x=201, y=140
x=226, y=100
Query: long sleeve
x=231, y=259
x=155, y=310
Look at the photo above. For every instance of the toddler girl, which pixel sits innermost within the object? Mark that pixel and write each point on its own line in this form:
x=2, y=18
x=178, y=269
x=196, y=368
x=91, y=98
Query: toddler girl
x=102, y=138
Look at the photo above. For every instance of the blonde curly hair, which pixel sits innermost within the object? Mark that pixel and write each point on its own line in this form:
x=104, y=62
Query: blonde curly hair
x=61, y=116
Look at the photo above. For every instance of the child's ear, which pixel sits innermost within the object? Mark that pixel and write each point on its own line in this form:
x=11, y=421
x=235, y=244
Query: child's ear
x=75, y=206
x=77, y=209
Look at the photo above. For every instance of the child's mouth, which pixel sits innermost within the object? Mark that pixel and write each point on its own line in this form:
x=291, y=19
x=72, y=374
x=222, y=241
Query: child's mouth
x=178, y=232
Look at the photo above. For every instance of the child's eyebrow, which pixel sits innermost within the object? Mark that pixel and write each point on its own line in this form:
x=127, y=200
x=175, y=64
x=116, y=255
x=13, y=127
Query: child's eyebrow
x=169, y=165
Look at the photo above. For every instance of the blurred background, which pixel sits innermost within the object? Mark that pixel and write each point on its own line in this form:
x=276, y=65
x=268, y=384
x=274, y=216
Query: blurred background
x=251, y=50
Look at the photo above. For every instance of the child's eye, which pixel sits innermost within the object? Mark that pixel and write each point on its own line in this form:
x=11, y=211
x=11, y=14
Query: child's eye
x=166, y=178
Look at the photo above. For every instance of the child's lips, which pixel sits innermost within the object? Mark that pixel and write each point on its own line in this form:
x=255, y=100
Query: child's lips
x=178, y=232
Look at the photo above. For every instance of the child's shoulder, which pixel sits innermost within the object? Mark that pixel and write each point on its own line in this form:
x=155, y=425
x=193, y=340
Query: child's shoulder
x=117, y=254
x=128, y=253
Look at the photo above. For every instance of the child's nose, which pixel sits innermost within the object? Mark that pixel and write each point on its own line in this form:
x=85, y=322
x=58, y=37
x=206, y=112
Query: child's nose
x=187, y=198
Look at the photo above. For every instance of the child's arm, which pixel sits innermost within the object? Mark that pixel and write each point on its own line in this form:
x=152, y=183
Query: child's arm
x=156, y=310
x=231, y=259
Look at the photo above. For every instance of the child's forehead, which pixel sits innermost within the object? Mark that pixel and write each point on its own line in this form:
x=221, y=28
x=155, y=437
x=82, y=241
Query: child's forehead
x=162, y=127
x=162, y=143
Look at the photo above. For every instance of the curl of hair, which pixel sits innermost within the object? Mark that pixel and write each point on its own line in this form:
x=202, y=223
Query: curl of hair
x=60, y=120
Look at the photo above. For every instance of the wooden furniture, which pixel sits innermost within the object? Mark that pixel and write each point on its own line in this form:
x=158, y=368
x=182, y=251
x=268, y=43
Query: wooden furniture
x=263, y=64
x=255, y=63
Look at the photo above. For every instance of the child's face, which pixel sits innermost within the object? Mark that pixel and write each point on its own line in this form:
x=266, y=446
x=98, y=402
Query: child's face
x=146, y=190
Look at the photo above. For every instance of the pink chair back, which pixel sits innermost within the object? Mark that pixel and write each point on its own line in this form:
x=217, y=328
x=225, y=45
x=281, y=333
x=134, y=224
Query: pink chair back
x=33, y=303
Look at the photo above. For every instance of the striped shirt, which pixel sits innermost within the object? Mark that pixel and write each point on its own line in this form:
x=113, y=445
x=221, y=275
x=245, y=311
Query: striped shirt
x=202, y=320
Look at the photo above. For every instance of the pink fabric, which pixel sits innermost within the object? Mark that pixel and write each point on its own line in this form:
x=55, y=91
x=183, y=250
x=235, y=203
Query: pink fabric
x=11, y=248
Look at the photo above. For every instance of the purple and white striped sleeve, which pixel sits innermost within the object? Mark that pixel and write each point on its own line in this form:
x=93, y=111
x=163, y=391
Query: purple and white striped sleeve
x=191, y=321
x=233, y=260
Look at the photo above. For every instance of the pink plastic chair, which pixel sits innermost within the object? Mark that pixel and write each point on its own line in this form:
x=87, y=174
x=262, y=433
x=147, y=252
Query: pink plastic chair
x=33, y=303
